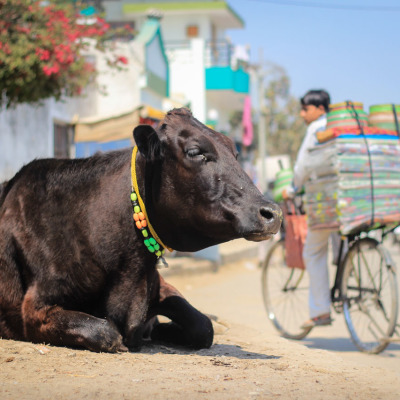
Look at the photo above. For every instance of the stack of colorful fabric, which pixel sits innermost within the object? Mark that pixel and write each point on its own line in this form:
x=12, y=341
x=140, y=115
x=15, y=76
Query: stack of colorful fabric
x=384, y=116
x=354, y=179
x=342, y=117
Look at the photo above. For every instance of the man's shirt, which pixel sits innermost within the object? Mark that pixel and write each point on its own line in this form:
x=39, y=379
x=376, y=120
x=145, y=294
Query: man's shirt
x=310, y=140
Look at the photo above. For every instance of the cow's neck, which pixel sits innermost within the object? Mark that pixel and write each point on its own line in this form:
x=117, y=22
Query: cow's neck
x=151, y=240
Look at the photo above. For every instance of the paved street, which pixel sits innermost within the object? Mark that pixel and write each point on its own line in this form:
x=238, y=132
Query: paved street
x=234, y=294
x=248, y=360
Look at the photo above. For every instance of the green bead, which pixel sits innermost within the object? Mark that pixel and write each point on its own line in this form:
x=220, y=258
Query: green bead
x=158, y=253
x=163, y=251
x=151, y=249
x=145, y=233
x=136, y=209
x=147, y=242
x=133, y=196
x=157, y=246
x=152, y=241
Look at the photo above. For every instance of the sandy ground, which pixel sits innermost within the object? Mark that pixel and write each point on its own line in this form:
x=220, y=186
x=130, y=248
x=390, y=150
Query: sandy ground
x=245, y=362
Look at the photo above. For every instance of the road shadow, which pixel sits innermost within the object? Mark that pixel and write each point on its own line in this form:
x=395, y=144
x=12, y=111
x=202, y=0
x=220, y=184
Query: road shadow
x=220, y=351
x=342, y=345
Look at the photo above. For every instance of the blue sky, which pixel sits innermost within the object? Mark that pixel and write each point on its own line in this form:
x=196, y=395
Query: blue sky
x=353, y=54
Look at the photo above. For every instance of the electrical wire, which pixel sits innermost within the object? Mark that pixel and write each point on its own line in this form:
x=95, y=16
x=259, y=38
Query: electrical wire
x=331, y=6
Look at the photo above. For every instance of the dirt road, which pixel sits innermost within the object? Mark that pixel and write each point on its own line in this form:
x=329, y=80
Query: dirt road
x=247, y=361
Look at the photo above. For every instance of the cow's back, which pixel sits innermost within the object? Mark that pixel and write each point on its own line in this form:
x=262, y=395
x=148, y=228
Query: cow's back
x=55, y=216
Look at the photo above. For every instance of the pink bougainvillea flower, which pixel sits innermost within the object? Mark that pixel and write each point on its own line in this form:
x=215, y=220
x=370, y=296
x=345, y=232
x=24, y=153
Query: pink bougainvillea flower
x=122, y=60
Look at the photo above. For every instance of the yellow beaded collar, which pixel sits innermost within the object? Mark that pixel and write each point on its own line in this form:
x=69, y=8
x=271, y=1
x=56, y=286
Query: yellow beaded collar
x=151, y=240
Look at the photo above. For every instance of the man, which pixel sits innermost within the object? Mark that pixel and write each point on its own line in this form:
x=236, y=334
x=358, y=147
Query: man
x=314, y=106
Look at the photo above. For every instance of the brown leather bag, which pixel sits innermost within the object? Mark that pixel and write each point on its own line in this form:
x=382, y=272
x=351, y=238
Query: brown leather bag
x=296, y=232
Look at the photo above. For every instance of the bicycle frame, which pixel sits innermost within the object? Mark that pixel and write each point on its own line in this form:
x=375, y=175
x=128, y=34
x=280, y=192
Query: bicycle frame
x=336, y=296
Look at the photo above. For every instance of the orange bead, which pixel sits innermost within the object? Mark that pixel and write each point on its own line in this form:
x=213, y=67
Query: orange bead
x=136, y=217
x=139, y=224
x=144, y=223
x=141, y=216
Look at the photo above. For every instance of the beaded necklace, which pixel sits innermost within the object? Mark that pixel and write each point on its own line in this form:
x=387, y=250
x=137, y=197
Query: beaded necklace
x=152, y=242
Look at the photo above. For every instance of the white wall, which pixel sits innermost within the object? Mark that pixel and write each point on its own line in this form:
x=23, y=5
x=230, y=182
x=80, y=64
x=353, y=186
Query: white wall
x=187, y=76
x=23, y=137
x=122, y=87
x=27, y=132
x=174, y=27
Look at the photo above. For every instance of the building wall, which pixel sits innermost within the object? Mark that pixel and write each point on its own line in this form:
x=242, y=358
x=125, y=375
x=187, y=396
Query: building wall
x=148, y=97
x=24, y=136
x=155, y=61
x=174, y=27
x=27, y=132
x=121, y=87
x=187, y=76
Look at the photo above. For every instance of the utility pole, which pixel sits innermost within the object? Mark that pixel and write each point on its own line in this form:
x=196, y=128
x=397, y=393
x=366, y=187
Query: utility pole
x=261, y=124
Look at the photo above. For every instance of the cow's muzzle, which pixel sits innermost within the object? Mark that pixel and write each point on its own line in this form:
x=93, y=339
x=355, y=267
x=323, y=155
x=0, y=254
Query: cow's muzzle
x=270, y=217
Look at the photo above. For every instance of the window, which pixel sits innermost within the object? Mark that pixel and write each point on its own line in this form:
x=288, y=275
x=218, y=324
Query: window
x=192, y=31
x=63, y=135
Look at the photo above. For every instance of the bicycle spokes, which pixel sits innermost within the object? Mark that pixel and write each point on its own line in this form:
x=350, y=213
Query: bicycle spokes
x=369, y=293
x=285, y=294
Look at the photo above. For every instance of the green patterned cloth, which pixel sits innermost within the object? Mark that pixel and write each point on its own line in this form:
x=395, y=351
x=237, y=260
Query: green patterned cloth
x=344, y=192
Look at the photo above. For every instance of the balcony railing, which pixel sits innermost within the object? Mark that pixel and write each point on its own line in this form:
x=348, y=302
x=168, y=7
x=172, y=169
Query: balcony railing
x=219, y=53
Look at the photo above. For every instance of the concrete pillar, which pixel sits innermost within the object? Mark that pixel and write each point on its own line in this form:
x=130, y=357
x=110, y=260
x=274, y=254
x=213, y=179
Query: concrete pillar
x=198, y=80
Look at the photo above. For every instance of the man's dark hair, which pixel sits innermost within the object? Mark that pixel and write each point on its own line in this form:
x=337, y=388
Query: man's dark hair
x=316, y=98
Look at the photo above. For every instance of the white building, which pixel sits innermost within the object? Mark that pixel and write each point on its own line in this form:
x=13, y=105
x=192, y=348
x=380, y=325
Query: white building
x=182, y=59
x=134, y=95
x=95, y=121
x=207, y=72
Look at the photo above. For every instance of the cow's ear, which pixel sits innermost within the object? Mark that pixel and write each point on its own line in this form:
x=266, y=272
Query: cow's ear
x=147, y=141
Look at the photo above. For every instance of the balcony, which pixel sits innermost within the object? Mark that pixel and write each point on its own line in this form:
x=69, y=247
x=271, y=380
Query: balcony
x=224, y=69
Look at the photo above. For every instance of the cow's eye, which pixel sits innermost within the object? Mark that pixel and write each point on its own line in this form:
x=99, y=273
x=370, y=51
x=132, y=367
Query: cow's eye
x=196, y=154
x=193, y=152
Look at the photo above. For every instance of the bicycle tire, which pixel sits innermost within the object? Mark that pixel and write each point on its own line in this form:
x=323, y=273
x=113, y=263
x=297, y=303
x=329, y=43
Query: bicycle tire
x=370, y=295
x=285, y=293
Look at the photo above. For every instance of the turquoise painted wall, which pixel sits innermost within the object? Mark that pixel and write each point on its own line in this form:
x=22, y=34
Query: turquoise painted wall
x=224, y=78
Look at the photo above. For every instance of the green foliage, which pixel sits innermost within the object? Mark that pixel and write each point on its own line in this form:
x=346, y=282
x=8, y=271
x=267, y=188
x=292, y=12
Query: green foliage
x=285, y=127
x=42, y=46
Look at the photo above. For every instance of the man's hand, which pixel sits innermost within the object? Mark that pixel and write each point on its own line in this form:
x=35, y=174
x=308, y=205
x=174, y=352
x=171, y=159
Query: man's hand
x=288, y=193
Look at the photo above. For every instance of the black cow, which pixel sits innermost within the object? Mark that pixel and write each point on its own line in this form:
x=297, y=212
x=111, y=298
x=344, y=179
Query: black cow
x=74, y=268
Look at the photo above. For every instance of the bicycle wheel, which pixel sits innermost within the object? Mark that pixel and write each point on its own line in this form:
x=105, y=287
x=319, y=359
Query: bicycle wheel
x=370, y=295
x=285, y=293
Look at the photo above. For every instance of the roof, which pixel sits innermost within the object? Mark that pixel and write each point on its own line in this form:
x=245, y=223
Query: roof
x=113, y=127
x=232, y=19
x=148, y=31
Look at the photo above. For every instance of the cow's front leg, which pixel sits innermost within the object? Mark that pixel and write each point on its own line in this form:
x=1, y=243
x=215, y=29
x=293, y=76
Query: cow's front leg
x=135, y=330
x=135, y=323
x=54, y=325
x=188, y=327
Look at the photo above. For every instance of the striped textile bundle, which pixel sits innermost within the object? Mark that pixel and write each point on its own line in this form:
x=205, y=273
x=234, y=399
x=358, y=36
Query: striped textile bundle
x=342, y=193
x=346, y=115
x=383, y=116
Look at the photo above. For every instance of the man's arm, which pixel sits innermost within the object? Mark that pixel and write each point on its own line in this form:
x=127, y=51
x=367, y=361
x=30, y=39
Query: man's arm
x=301, y=173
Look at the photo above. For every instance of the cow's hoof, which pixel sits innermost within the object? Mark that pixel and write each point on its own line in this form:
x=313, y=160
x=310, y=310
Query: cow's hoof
x=123, y=349
x=108, y=340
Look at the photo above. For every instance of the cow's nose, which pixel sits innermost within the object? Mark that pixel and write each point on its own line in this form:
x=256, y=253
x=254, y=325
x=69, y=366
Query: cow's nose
x=273, y=216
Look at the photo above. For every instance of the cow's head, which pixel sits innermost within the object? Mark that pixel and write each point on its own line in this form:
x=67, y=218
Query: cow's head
x=197, y=194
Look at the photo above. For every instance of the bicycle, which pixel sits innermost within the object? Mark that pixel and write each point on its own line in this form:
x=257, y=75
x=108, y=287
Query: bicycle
x=365, y=291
